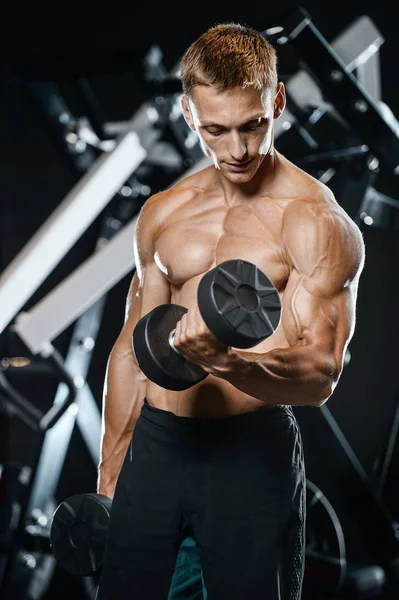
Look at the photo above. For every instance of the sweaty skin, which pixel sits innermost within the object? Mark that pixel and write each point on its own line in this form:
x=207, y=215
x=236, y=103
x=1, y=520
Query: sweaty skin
x=251, y=203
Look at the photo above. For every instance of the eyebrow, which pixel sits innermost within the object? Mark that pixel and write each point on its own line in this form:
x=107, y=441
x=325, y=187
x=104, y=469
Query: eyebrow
x=210, y=124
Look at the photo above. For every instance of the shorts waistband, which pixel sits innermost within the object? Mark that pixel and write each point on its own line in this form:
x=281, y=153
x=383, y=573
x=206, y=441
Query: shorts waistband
x=167, y=418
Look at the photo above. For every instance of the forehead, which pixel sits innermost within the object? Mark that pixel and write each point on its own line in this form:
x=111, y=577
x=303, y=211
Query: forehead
x=232, y=105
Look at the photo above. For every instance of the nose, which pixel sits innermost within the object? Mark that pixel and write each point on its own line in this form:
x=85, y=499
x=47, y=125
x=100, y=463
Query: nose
x=237, y=147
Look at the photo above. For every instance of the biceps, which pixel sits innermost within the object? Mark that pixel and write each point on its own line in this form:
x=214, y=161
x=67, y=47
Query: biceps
x=327, y=323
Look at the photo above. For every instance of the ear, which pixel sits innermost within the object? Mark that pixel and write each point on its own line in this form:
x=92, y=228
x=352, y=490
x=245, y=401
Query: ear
x=187, y=112
x=279, y=100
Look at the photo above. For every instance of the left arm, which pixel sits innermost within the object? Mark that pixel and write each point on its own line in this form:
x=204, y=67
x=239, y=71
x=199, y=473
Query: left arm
x=326, y=252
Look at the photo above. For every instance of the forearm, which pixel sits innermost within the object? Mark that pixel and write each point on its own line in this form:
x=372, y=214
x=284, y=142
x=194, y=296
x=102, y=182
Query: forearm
x=298, y=375
x=124, y=393
x=109, y=468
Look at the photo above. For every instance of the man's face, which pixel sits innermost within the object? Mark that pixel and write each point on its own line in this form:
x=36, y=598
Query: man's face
x=235, y=127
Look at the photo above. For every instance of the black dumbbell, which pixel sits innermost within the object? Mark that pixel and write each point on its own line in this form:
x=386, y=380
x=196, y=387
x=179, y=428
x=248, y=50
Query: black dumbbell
x=78, y=533
x=238, y=303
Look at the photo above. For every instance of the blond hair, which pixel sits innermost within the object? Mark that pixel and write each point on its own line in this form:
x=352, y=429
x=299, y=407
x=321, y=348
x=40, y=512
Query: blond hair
x=229, y=55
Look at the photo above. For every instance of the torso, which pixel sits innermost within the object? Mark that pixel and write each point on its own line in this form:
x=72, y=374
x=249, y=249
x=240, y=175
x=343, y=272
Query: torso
x=201, y=231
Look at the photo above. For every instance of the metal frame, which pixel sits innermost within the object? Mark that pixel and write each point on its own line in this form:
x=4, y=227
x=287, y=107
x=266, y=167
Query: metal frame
x=357, y=47
x=66, y=224
x=352, y=101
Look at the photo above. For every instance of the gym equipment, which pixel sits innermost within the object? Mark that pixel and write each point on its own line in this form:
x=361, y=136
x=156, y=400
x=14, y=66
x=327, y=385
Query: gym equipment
x=329, y=574
x=238, y=303
x=78, y=533
x=34, y=564
x=349, y=96
x=325, y=560
x=26, y=562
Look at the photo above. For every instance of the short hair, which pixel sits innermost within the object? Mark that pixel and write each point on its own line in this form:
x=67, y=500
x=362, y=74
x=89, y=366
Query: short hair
x=229, y=55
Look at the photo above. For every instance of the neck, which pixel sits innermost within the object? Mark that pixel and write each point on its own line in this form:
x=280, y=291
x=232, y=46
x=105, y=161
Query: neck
x=263, y=177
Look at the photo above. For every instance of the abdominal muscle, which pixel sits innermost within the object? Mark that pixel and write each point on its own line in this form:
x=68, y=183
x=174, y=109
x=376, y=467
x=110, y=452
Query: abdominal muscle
x=213, y=397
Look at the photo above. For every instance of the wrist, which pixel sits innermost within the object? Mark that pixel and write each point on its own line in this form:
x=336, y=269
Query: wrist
x=105, y=483
x=237, y=367
x=106, y=490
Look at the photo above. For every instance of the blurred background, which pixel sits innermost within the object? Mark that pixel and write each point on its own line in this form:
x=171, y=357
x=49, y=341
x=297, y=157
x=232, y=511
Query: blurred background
x=91, y=127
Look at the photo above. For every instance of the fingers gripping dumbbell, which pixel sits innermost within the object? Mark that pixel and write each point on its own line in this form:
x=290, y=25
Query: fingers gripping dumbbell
x=237, y=302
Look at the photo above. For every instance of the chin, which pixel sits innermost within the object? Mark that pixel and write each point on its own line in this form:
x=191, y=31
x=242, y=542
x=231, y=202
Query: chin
x=242, y=177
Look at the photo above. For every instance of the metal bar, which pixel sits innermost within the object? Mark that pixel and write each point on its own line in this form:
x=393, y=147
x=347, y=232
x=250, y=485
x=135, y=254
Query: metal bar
x=369, y=75
x=388, y=453
x=348, y=96
x=56, y=442
x=77, y=292
x=358, y=43
x=66, y=224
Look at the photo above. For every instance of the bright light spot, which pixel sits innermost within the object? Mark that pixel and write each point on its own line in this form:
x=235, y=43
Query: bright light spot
x=79, y=381
x=73, y=409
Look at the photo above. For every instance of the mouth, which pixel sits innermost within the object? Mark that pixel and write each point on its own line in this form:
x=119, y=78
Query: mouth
x=238, y=167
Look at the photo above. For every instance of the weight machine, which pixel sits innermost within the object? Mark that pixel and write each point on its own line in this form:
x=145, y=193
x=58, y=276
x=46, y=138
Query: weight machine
x=330, y=88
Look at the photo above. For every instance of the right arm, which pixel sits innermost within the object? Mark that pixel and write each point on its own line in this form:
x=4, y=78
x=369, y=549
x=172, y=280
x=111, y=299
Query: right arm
x=125, y=384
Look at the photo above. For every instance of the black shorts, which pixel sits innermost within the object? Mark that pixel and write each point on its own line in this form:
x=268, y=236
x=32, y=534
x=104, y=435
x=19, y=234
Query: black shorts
x=236, y=485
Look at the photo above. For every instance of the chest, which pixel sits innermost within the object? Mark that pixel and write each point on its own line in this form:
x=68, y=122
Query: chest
x=194, y=241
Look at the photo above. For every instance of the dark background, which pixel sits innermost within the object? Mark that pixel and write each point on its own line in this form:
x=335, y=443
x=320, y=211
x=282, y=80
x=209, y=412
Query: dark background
x=107, y=44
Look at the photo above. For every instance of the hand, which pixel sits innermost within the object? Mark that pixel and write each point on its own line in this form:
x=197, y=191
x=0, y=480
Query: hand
x=195, y=342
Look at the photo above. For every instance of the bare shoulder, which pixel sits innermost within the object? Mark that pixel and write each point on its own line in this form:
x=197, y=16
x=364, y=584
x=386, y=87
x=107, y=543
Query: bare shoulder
x=157, y=209
x=160, y=205
x=315, y=206
x=318, y=231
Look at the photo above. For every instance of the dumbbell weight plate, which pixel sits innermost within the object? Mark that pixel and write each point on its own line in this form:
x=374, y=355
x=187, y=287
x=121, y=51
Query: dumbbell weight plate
x=157, y=359
x=239, y=303
x=78, y=533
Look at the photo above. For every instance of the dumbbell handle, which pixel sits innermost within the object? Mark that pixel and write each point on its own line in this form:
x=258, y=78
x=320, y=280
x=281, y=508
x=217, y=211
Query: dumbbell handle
x=171, y=341
x=171, y=338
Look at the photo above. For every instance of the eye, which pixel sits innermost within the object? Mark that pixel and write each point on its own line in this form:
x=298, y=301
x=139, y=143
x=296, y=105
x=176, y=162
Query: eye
x=256, y=126
x=215, y=133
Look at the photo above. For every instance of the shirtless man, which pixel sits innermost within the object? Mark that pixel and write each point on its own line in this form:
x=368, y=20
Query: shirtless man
x=223, y=461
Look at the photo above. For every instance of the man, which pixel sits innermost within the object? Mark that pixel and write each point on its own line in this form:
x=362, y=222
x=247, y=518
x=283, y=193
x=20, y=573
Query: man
x=222, y=462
